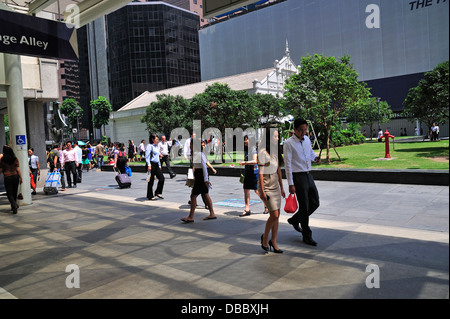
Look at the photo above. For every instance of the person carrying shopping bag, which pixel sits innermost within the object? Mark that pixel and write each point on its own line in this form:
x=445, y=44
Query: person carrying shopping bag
x=152, y=158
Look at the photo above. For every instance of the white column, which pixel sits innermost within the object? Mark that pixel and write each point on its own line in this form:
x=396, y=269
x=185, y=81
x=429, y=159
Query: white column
x=17, y=124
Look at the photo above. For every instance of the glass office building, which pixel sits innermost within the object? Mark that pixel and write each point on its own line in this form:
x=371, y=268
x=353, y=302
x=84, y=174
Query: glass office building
x=151, y=46
x=412, y=38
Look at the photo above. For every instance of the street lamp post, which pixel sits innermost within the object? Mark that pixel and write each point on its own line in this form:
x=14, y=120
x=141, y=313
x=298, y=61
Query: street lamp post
x=378, y=105
x=77, y=111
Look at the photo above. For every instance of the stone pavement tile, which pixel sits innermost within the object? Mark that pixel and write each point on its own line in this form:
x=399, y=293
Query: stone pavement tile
x=127, y=247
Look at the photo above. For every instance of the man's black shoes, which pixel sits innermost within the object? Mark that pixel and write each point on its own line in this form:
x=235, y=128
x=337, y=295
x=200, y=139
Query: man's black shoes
x=295, y=225
x=309, y=241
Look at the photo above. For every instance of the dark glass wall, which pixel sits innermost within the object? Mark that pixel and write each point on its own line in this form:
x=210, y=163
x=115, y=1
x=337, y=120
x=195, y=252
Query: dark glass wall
x=151, y=47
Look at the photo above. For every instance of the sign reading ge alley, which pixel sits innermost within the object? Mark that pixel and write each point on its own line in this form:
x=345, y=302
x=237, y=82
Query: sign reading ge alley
x=22, y=34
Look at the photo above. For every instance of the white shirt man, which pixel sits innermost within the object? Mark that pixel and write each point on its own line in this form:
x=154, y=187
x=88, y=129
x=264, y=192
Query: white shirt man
x=298, y=155
x=163, y=147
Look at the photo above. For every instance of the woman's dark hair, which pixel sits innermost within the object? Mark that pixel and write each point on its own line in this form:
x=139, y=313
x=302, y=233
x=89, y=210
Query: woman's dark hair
x=152, y=138
x=8, y=155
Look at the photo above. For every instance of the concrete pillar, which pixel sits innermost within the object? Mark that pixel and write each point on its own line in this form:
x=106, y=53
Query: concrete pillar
x=17, y=124
x=36, y=130
x=2, y=132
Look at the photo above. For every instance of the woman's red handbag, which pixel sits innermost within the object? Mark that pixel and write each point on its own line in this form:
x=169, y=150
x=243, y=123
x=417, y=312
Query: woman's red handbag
x=33, y=184
x=291, y=205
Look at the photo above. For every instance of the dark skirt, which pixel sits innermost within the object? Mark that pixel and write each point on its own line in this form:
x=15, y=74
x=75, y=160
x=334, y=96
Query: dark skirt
x=199, y=184
x=250, y=178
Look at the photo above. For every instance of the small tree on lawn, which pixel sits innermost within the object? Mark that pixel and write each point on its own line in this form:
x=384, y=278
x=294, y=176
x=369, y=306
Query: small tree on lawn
x=322, y=91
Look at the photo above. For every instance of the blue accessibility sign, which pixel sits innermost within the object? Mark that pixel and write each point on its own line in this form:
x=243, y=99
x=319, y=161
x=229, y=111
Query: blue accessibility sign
x=21, y=142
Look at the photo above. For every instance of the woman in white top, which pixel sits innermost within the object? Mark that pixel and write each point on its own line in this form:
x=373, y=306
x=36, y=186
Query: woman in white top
x=201, y=186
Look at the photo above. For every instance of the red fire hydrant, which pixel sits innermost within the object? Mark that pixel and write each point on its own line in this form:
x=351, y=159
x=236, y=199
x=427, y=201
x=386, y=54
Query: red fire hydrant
x=386, y=136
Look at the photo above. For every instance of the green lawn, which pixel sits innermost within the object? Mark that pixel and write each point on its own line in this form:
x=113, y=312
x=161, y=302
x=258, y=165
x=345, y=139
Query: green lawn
x=407, y=155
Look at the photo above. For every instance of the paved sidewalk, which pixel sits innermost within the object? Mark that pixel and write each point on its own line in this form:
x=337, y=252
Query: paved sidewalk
x=128, y=247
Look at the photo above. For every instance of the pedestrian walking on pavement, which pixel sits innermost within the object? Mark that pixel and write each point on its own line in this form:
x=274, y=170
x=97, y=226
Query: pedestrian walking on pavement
x=141, y=148
x=250, y=174
x=298, y=155
x=70, y=162
x=9, y=166
x=100, y=153
x=152, y=158
x=164, y=148
x=79, y=167
x=270, y=185
x=201, y=185
x=120, y=158
x=35, y=170
x=54, y=161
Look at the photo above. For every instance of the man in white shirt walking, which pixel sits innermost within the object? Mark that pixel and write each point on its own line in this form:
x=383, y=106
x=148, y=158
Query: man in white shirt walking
x=298, y=155
x=164, y=147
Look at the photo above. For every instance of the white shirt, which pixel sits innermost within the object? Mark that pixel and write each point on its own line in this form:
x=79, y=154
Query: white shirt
x=187, y=147
x=164, y=147
x=79, y=152
x=298, y=156
x=33, y=161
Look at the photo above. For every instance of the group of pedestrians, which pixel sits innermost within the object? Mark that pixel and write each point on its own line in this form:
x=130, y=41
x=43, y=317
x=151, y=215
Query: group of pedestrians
x=263, y=175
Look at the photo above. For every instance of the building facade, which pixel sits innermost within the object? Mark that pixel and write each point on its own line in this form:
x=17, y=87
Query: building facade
x=391, y=43
x=151, y=46
x=125, y=124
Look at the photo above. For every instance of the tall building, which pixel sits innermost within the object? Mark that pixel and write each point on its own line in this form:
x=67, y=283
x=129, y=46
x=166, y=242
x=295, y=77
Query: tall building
x=151, y=46
x=195, y=6
x=391, y=43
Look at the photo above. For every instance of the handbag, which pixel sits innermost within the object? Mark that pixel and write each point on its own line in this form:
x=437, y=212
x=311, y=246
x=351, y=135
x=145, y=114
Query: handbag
x=33, y=184
x=291, y=205
x=241, y=178
x=128, y=170
x=190, y=178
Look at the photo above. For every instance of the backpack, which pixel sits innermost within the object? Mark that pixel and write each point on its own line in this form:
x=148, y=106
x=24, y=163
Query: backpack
x=121, y=157
x=51, y=158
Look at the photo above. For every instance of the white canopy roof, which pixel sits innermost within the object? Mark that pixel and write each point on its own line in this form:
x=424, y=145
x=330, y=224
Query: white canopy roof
x=79, y=12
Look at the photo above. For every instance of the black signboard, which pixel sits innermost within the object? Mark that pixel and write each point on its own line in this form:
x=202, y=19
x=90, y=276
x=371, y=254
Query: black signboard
x=27, y=35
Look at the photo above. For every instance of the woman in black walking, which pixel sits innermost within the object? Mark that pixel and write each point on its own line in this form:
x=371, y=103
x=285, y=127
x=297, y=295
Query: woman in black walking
x=9, y=165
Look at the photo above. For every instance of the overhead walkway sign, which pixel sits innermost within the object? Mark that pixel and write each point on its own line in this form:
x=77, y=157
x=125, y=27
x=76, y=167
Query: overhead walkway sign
x=22, y=34
x=213, y=8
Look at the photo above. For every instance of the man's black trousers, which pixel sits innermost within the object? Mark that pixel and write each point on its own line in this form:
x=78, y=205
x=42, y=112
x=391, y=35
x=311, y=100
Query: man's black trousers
x=308, y=200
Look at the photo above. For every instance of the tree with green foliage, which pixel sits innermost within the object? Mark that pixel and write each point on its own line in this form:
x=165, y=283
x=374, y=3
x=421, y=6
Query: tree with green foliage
x=167, y=113
x=270, y=109
x=323, y=90
x=220, y=107
x=369, y=111
x=68, y=108
x=428, y=101
x=101, y=117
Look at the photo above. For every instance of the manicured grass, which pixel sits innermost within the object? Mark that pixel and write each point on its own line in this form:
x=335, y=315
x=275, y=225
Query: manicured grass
x=370, y=155
x=406, y=155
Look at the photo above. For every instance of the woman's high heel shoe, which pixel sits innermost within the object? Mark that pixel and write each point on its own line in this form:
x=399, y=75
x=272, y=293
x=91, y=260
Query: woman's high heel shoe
x=262, y=246
x=276, y=251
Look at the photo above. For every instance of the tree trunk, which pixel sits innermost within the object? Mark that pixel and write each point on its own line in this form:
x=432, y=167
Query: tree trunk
x=328, y=148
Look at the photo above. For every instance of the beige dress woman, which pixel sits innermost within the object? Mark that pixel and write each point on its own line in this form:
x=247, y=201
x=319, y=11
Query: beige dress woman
x=269, y=166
